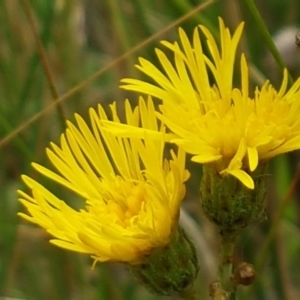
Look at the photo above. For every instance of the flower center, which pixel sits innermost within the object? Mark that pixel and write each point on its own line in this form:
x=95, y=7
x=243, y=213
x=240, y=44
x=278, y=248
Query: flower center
x=121, y=202
x=128, y=204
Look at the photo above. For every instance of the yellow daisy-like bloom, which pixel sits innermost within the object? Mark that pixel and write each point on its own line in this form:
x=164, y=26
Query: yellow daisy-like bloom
x=131, y=194
x=218, y=124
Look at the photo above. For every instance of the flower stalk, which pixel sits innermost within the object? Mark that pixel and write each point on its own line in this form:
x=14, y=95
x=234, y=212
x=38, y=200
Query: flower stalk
x=225, y=269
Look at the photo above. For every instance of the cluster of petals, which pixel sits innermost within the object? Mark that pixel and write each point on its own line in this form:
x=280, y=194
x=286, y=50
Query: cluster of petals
x=129, y=194
x=233, y=129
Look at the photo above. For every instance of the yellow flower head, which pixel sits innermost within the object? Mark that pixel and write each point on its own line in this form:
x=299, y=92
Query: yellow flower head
x=218, y=124
x=131, y=195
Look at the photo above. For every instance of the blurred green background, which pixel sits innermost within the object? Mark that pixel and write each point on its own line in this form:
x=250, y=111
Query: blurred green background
x=80, y=38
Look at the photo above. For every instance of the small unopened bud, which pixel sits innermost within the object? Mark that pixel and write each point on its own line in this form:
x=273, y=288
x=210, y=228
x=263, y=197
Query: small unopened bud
x=244, y=274
x=171, y=269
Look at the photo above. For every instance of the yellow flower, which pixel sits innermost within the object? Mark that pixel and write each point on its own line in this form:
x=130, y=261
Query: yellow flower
x=228, y=128
x=131, y=195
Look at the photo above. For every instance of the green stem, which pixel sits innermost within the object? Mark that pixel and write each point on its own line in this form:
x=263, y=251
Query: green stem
x=226, y=264
x=217, y=292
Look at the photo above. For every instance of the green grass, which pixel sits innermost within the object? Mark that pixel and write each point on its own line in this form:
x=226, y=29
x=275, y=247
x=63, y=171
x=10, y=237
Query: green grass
x=81, y=38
